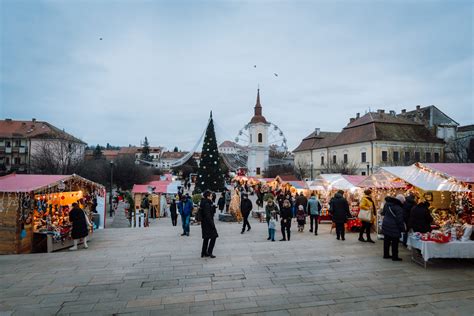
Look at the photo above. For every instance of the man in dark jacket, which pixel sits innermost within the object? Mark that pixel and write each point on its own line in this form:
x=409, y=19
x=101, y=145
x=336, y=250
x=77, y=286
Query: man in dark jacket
x=208, y=228
x=392, y=226
x=420, y=218
x=245, y=207
x=339, y=209
x=301, y=200
x=221, y=202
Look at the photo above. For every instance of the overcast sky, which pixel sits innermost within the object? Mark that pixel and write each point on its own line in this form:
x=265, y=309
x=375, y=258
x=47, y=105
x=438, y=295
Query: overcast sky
x=161, y=66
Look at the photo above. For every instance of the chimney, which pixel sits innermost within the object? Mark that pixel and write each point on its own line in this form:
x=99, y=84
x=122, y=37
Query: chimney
x=380, y=111
x=404, y=111
x=352, y=119
x=317, y=130
x=418, y=107
x=357, y=115
x=392, y=112
x=33, y=120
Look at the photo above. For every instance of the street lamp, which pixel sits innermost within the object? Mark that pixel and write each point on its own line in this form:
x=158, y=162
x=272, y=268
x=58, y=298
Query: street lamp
x=311, y=166
x=368, y=166
x=111, y=185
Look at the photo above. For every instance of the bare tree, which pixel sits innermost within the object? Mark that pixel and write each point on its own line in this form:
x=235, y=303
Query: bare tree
x=349, y=168
x=56, y=156
x=302, y=169
x=279, y=170
x=457, y=150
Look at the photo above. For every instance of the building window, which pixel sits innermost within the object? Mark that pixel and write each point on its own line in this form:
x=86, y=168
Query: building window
x=428, y=157
x=322, y=160
x=8, y=144
x=7, y=160
x=345, y=158
x=258, y=169
x=407, y=156
x=384, y=156
x=436, y=157
x=16, y=160
x=17, y=143
x=396, y=156
x=334, y=159
x=417, y=156
x=363, y=157
x=363, y=173
x=260, y=138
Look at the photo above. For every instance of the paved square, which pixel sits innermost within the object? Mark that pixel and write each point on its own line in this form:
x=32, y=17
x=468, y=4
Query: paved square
x=154, y=271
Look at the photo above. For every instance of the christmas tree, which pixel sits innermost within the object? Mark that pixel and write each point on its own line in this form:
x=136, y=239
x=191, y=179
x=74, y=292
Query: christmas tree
x=145, y=155
x=210, y=175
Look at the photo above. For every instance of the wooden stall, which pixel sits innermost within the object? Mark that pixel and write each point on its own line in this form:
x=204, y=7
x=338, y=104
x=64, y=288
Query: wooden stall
x=34, y=210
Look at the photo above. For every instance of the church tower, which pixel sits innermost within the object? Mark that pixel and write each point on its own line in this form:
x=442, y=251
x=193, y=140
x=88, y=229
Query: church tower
x=258, y=154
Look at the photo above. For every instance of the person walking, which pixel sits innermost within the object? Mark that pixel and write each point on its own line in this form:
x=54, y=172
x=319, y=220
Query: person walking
x=269, y=208
x=221, y=202
x=174, y=215
x=245, y=207
x=366, y=203
x=420, y=218
x=185, y=207
x=208, y=228
x=392, y=225
x=272, y=225
x=285, y=214
x=314, y=211
x=339, y=209
x=80, y=226
x=301, y=218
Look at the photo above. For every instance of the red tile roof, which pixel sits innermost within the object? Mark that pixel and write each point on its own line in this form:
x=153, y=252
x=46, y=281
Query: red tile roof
x=33, y=129
x=315, y=141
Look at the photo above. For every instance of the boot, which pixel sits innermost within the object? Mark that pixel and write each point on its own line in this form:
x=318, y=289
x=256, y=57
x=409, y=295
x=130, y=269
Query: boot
x=288, y=236
x=73, y=248
x=85, y=243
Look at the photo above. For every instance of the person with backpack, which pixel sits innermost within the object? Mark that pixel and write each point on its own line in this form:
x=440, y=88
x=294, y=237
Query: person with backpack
x=339, y=209
x=392, y=225
x=314, y=211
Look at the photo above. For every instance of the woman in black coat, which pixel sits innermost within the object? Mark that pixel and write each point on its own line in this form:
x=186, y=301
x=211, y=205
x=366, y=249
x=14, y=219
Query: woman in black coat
x=286, y=215
x=174, y=215
x=209, y=231
x=80, y=227
x=339, y=209
x=392, y=226
x=420, y=218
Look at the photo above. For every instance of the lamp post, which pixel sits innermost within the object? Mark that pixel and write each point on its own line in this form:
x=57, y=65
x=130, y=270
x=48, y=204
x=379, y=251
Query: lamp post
x=111, y=210
x=368, y=166
x=311, y=166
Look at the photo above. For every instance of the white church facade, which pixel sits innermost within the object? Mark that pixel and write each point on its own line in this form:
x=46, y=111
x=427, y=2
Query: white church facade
x=258, y=151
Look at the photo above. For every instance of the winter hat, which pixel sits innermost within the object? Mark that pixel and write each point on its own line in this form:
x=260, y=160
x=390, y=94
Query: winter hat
x=401, y=198
x=301, y=207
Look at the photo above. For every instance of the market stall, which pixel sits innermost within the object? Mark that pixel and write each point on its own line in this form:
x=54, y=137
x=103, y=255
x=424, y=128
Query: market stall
x=326, y=185
x=450, y=204
x=34, y=210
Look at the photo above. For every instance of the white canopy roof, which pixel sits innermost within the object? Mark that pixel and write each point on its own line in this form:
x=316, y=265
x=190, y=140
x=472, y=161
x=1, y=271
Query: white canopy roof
x=330, y=181
x=424, y=180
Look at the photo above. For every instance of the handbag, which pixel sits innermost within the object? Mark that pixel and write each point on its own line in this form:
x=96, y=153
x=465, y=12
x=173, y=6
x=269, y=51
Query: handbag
x=365, y=215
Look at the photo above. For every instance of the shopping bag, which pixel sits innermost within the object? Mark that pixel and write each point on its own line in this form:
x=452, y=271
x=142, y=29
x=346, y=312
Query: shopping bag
x=365, y=215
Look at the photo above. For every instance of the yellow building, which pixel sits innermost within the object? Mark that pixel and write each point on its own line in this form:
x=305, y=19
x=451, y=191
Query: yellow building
x=367, y=142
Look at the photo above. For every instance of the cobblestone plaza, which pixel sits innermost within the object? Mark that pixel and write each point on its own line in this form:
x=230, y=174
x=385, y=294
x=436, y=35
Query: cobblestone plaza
x=156, y=271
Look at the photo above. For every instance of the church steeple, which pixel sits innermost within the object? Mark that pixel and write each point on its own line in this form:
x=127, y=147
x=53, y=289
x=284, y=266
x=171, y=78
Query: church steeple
x=258, y=117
